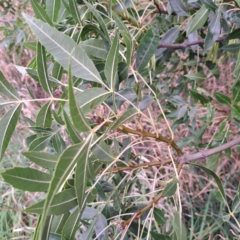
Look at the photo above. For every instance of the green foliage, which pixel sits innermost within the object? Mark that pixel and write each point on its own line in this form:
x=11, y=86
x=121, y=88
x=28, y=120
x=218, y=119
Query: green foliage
x=126, y=79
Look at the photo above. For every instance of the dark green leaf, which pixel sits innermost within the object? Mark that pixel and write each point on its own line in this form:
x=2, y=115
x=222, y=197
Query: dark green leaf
x=179, y=7
x=199, y=77
x=236, y=204
x=159, y=236
x=236, y=111
x=122, y=71
x=27, y=179
x=110, y=69
x=39, y=143
x=7, y=126
x=236, y=92
x=234, y=34
x=7, y=89
x=73, y=8
x=170, y=189
x=129, y=45
x=222, y=98
x=103, y=152
x=42, y=159
x=42, y=68
x=62, y=202
x=58, y=143
x=39, y=12
x=182, y=112
x=209, y=4
x=52, y=9
x=44, y=117
x=146, y=49
x=216, y=178
x=57, y=71
x=159, y=216
x=232, y=48
x=145, y=102
x=201, y=98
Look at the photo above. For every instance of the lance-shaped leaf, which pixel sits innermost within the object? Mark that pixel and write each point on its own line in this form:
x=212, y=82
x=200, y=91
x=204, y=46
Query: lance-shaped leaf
x=74, y=11
x=27, y=179
x=7, y=89
x=40, y=143
x=57, y=71
x=170, y=189
x=94, y=48
x=7, y=126
x=99, y=19
x=89, y=99
x=77, y=116
x=44, y=117
x=52, y=9
x=64, y=166
x=63, y=49
x=111, y=64
x=103, y=152
x=233, y=48
x=126, y=116
x=179, y=8
x=62, y=202
x=146, y=49
x=129, y=45
x=223, y=98
x=213, y=31
x=42, y=68
x=39, y=12
x=58, y=222
x=210, y=4
x=43, y=159
x=73, y=134
x=199, y=19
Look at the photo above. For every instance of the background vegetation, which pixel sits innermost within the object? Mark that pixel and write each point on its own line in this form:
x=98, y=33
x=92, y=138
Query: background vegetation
x=114, y=99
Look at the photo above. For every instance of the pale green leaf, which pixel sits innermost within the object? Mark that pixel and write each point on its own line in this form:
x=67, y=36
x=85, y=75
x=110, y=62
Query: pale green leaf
x=52, y=9
x=74, y=11
x=129, y=45
x=199, y=77
x=7, y=126
x=179, y=227
x=63, y=49
x=199, y=19
x=103, y=152
x=43, y=159
x=170, y=189
x=27, y=179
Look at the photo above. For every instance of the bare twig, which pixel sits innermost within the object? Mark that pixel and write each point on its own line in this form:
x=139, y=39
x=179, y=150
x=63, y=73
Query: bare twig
x=209, y=152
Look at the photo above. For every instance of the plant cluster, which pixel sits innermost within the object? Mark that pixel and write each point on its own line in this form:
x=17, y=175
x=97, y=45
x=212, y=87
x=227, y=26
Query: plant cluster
x=122, y=79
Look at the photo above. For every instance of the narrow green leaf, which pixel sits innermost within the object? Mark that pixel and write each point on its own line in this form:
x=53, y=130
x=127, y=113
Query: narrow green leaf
x=58, y=143
x=212, y=32
x=236, y=92
x=199, y=19
x=40, y=143
x=7, y=89
x=7, y=126
x=89, y=99
x=73, y=134
x=103, y=152
x=42, y=68
x=99, y=19
x=209, y=4
x=236, y=111
x=63, y=49
x=44, y=117
x=126, y=116
x=74, y=11
x=39, y=12
x=58, y=222
x=216, y=178
x=111, y=64
x=234, y=34
x=146, y=49
x=199, y=77
x=159, y=236
x=65, y=165
x=129, y=45
x=43, y=159
x=119, y=22
x=236, y=204
x=159, y=216
x=145, y=102
x=95, y=48
x=223, y=98
x=197, y=96
x=27, y=179
x=57, y=71
x=31, y=45
x=101, y=227
x=62, y=202
x=52, y=9
x=179, y=227
x=170, y=189
x=182, y=112
x=179, y=7
x=79, y=121
x=232, y=48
